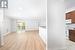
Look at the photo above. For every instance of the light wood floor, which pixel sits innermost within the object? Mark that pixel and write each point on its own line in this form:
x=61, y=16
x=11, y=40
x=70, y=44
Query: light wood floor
x=23, y=41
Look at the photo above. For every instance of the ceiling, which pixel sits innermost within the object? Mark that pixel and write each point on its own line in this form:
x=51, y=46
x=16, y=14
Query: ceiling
x=69, y=4
x=26, y=9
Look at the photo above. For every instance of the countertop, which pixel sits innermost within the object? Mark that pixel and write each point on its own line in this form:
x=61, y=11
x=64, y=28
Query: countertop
x=43, y=26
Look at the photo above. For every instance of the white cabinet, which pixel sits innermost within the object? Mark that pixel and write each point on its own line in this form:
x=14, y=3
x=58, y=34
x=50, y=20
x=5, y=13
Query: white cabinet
x=43, y=34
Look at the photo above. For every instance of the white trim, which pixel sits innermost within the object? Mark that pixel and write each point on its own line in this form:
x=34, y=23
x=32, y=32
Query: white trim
x=70, y=9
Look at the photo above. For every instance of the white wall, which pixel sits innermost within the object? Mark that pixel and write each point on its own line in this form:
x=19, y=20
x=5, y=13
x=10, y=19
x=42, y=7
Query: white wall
x=13, y=25
x=32, y=24
x=56, y=25
x=7, y=23
x=42, y=21
x=1, y=27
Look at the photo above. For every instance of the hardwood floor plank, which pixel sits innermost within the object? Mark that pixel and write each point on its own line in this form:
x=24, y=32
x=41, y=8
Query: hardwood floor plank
x=23, y=41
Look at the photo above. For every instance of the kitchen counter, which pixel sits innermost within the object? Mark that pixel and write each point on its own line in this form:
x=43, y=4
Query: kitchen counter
x=70, y=26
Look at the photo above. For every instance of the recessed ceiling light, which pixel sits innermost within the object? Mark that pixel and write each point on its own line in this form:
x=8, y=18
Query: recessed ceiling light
x=20, y=8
